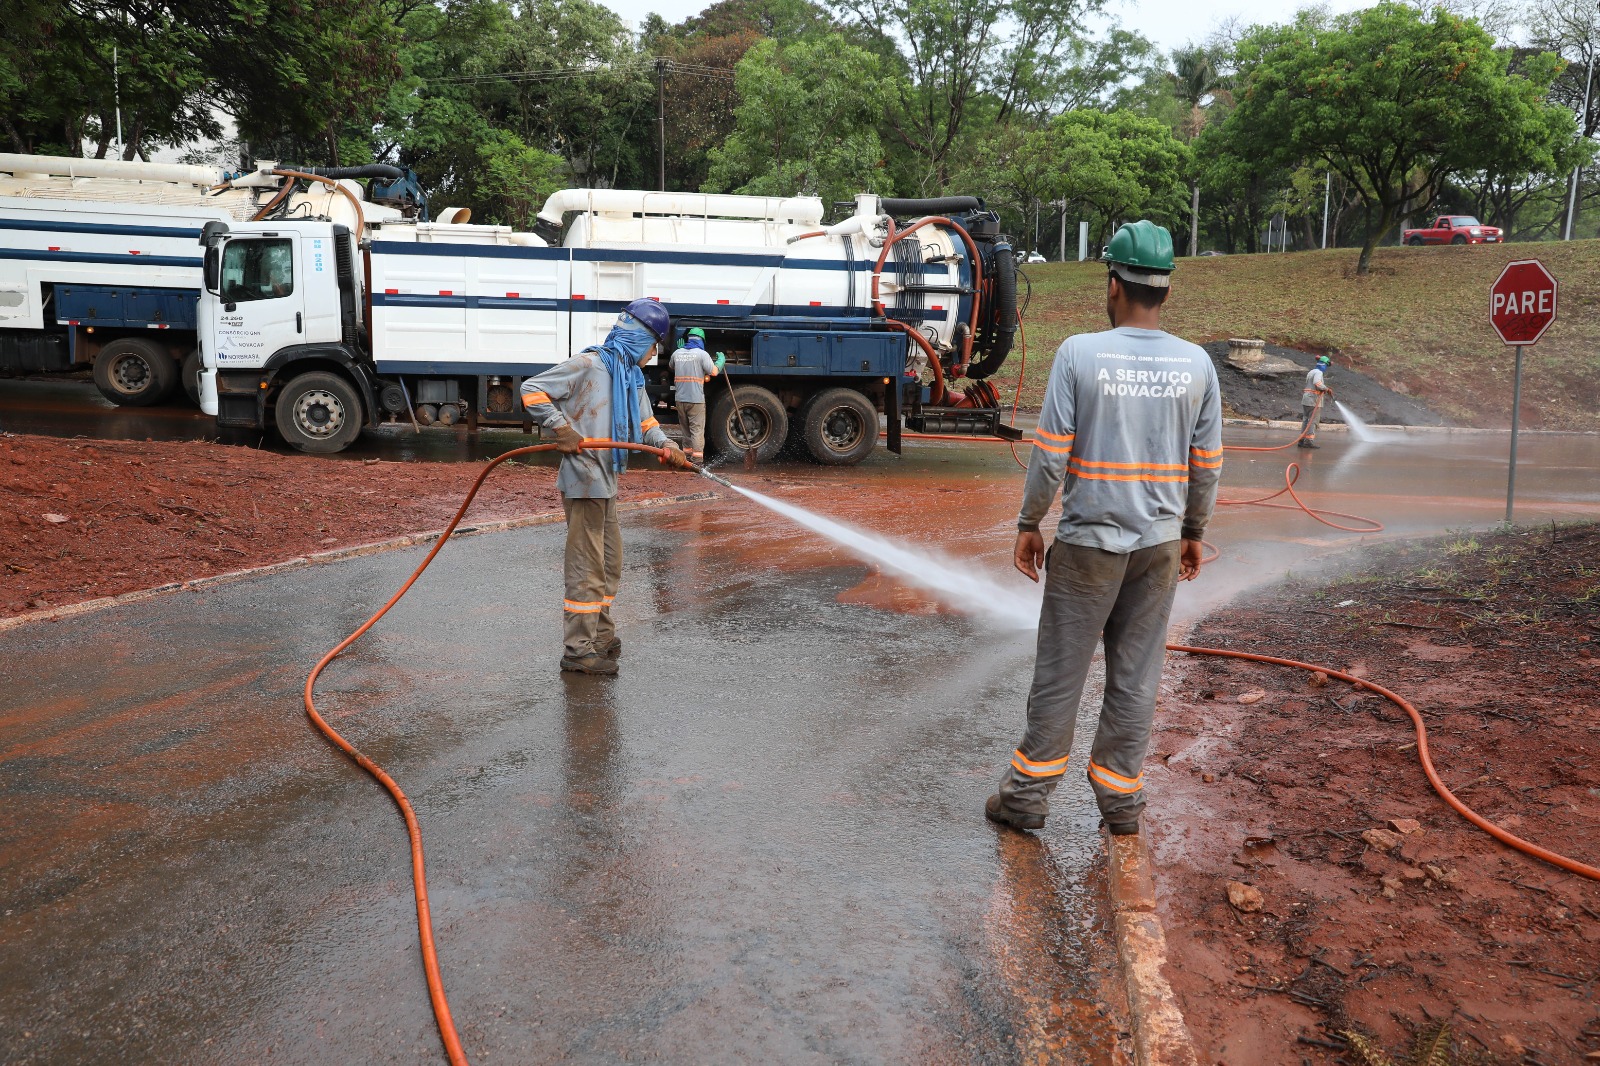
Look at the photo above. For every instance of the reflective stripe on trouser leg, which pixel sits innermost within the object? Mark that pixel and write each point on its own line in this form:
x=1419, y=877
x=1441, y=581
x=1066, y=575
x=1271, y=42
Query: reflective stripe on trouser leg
x=1312, y=419
x=1136, y=649
x=588, y=566
x=1080, y=589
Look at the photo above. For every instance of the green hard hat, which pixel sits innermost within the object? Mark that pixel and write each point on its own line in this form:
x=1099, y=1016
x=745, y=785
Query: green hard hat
x=697, y=332
x=1141, y=252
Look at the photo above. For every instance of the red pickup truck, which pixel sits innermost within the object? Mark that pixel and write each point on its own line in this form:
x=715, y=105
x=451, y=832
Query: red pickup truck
x=1454, y=229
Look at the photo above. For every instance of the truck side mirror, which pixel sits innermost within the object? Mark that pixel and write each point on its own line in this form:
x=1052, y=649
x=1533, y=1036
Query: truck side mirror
x=213, y=270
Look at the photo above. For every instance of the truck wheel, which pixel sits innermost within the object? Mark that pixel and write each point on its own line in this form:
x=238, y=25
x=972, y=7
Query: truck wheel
x=765, y=426
x=134, y=373
x=1416, y=242
x=839, y=427
x=191, y=376
x=1458, y=239
x=319, y=412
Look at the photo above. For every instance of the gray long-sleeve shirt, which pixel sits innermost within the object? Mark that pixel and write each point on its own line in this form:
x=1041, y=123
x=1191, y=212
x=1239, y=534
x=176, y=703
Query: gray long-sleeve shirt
x=1132, y=428
x=690, y=369
x=578, y=392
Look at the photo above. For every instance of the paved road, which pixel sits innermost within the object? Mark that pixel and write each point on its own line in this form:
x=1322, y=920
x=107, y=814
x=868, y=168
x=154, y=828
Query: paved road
x=761, y=842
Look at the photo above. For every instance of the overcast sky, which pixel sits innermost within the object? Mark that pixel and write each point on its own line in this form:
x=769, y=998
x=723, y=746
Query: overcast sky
x=1169, y=23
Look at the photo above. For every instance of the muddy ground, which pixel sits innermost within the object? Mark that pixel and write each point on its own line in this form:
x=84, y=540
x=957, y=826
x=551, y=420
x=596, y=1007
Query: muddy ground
x=1245, y=396
x=1275, y=783
x=81, y=519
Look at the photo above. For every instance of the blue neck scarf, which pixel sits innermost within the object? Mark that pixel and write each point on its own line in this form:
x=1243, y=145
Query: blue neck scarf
x=620, y=352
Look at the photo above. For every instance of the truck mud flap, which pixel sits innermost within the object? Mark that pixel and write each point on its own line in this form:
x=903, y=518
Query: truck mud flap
x=239, y=399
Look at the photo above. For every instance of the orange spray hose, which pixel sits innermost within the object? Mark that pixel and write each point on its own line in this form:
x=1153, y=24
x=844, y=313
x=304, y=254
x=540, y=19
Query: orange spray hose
x=1527, y=848
x=430, y=957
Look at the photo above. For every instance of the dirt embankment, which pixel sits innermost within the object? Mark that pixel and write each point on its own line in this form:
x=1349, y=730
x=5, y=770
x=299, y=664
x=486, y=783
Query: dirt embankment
x=83, y=519
x=1245, y=396
x=1278, y=784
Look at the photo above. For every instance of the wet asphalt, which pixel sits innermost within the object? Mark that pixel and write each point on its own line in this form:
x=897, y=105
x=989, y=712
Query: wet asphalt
x=763, y=841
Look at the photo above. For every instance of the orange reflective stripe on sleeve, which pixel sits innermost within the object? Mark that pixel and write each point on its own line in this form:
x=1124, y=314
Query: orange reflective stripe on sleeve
x=1112, y=780
x=535, y=397
x=1024, y=765
x=1205, y=453
x=1059, y=443
x=581, y=607
x=1059, y=438
x=649, y=424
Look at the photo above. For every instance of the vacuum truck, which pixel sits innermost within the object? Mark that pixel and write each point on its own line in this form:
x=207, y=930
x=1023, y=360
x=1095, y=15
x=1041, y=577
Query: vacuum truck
x=901, y=309
x=98, y=265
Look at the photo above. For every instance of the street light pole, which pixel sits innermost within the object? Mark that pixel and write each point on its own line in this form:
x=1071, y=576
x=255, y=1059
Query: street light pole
x=1583, y=119
x=1327, y=198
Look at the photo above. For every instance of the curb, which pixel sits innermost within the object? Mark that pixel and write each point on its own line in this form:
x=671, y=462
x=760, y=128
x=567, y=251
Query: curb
x=1160, y=1037
x=334, y=555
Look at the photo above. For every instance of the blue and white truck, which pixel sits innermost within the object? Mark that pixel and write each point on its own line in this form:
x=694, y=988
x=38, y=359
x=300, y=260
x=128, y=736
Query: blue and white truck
x=322, y=327
x=99, y=268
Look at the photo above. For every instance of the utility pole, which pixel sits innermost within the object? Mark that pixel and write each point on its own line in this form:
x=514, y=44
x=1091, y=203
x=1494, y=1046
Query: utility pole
x=1063, y=231
x=661, y=124
x=116, y=83
x=1583, y=119
x=1327, y=197
x=1194, y=222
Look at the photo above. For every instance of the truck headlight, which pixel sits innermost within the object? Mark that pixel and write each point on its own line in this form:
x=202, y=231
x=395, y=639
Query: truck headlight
x=1475, y=232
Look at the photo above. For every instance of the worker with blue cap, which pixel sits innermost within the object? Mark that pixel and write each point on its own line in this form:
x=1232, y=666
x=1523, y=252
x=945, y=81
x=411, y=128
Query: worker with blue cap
x=692, y=366
x=599, y=394
x=1312, y=398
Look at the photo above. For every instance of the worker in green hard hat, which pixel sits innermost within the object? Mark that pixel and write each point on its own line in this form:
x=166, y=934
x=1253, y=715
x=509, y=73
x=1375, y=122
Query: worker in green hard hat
x=1132, y=428
x=692, y=366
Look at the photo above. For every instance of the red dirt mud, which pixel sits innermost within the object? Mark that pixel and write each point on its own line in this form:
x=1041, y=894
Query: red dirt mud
x=1382, y=912
x=82, y=519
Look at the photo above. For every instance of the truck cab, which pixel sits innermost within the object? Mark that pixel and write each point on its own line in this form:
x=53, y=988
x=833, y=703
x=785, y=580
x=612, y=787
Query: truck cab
x=282, y=305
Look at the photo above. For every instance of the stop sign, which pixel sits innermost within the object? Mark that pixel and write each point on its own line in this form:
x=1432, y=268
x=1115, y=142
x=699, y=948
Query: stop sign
x=1522, y=302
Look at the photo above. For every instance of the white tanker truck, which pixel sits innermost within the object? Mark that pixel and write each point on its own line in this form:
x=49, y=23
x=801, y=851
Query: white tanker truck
x=99, y=269
x=323, y=327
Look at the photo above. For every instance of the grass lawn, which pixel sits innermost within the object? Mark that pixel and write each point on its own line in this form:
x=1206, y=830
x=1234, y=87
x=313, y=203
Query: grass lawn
x=1418, y=323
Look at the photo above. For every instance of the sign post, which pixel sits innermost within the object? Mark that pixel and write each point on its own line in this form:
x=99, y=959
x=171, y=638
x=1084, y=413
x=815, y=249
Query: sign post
x=1522, y=305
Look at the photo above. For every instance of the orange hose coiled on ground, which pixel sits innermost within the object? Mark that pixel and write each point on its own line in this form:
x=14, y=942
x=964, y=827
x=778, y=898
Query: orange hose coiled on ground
x=430, y=957
x=1505, y=837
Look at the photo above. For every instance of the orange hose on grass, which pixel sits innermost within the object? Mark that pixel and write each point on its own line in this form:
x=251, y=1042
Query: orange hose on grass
x=430, y=957
x=1502, y=835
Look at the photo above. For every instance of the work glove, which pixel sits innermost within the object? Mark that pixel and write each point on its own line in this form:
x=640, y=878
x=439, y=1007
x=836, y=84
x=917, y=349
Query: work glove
x=675, y=458
x=568, y=440
x=722, y=361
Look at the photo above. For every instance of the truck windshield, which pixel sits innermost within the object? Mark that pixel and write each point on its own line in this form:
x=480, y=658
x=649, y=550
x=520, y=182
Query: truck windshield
x=257, y=270
x=1463, y=220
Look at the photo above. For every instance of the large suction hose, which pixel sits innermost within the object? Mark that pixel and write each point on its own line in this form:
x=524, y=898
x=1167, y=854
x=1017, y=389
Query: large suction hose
x=430, y=957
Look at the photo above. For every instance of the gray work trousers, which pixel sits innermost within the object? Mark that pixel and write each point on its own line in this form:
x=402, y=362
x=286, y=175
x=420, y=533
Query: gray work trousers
x=1312, y=419
x=1089, y=593
x=593, y=571
x=693, y=417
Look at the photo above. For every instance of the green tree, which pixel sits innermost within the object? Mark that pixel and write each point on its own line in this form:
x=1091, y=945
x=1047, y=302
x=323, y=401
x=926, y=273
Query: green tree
x=1112, y=166
x=1396, y=102
x=806, y=122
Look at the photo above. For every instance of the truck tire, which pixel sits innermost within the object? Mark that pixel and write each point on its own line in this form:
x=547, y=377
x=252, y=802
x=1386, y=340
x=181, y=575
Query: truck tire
x=191, y=376
x=1416, y=242
x=839, y=427
x=1458, y=239
x=766, y=424
x=133, y=372
x=319, y=412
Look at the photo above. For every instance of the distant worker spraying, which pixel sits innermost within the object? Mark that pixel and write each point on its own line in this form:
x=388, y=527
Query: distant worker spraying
x=692, y=366
x=1313, y=398
x=1132, y=427
x=599, y=394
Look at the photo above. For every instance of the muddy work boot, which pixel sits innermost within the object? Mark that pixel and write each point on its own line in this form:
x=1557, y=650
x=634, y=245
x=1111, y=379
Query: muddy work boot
x=588, y=664
x=1307, y=442
x=997, y=812
x=1121, y=829
x=614, y=649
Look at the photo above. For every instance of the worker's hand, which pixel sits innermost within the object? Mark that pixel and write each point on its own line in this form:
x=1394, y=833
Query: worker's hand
x=1029, y=555
x=568, y=440
x=673, y=457
x=1189, y=560
x=722, y=361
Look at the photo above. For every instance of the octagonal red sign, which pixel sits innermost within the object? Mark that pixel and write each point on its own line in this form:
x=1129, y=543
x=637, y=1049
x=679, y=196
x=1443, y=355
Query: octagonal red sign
x=1522, y=302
